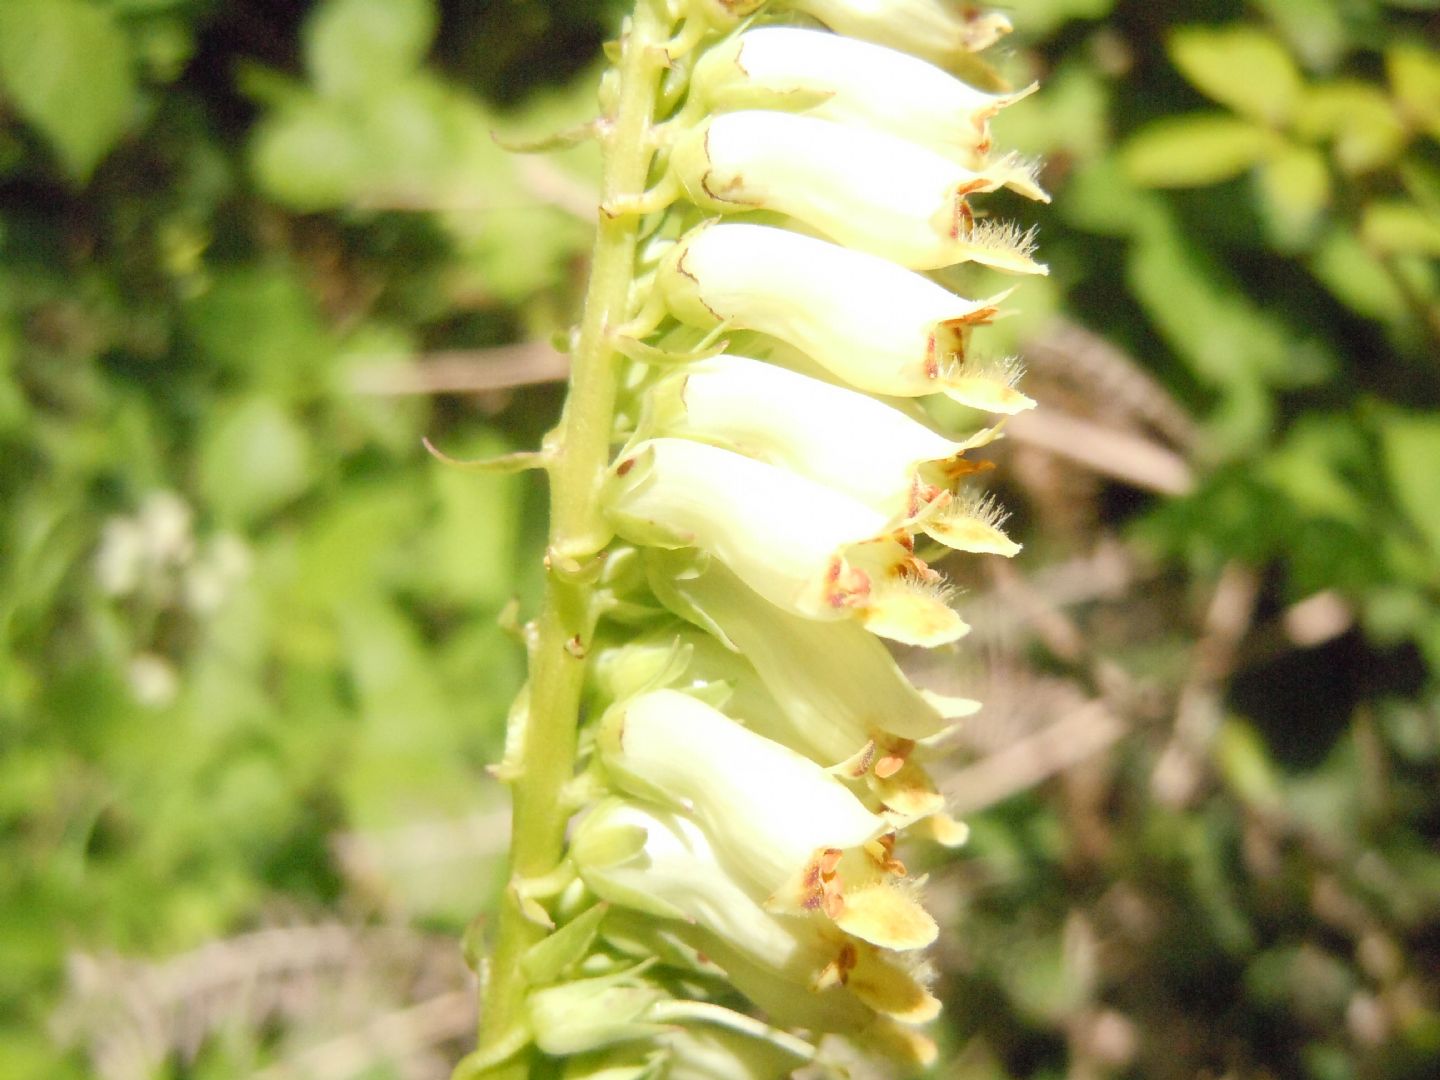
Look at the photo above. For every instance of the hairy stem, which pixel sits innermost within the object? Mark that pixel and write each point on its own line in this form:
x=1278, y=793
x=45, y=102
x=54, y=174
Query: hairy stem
x=580, y=453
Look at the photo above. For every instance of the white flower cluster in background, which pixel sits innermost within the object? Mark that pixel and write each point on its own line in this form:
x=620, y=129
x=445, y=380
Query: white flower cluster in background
x=153, y=562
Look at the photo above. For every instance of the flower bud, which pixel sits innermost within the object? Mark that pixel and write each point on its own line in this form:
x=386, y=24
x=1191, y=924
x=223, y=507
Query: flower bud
x=877, y=326
x=866, y=189
x=587, y=1014
x=802, y=546
x=854, y=82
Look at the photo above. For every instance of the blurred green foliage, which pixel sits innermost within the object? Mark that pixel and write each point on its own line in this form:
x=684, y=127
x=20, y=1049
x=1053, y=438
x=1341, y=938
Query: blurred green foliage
x=242, y=611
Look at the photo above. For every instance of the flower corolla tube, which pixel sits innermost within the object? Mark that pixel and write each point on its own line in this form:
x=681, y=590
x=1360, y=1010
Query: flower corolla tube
x=718, y=758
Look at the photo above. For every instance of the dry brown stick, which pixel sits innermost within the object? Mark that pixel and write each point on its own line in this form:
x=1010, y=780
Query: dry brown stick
x=1228, y=619
x=1035, y=758
x=1110, y=378
x=1136, y=460
x=393, y=1036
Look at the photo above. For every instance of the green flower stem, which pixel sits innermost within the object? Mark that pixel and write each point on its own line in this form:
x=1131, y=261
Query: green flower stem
x=580, y=455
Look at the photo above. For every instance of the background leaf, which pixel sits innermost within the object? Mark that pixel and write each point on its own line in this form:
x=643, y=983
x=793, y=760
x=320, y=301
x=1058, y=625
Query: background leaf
x=1188, y=151
x=1239, y=66
x=66, y=65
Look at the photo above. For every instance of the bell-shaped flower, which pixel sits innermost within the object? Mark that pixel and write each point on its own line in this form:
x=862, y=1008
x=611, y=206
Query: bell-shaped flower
x=942, y=30
x=804, y=547
x=877, y=326
x=838, y=437
x=685, y=947
x=866, y=189
x=841, y=690
x=796, y=834
x=677, y=868
x=854, y=82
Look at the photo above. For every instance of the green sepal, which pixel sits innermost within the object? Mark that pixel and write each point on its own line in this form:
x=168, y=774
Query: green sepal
x=558, y=140
x=551, y=957
x=505, y=463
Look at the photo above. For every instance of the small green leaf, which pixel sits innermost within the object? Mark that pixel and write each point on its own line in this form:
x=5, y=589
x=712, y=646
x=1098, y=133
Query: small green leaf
x=253, y=461
x=1356, y=278
x=552, y=956
x=1414, y=73
x=1240, y=66
x=1295, y=187
x=1194, y=150
x=1397, y=227
x=1411, y=446
x=66, y=66
x=1241, y=760
x=1358, y=119
x=357, y=48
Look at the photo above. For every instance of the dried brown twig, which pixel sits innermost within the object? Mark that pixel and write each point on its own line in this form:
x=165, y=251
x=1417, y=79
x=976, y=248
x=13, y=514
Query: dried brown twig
x=133, y=1016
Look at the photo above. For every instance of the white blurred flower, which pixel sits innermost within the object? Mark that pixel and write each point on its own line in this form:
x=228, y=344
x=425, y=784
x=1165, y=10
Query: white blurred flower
x=166, y=521
x=153, y=680
x=221, y=565
x=120, y=559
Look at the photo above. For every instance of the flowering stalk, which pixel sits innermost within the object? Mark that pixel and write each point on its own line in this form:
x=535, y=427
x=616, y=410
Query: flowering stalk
x=732, y=538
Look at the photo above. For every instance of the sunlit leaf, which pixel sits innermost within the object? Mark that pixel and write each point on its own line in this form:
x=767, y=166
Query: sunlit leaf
x=1356, y=278
x=1239, y=66
x=357, y=48
x=1190, y=151
x=1411, y=444
x=1414, y=73
x=1296, y=189
x=1397, y=227
x=65, y=64
x=1359, y=121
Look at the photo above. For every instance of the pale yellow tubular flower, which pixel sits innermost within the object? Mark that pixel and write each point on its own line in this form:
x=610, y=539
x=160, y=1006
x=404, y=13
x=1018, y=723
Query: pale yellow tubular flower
x=840, y=687
x=854, y=82
x=886, y=763
x=877, y=326
x=793, y=831
x=834, y=728
x=838, y=437
x=804, y=547
x=677, y=867
x=869, y=190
